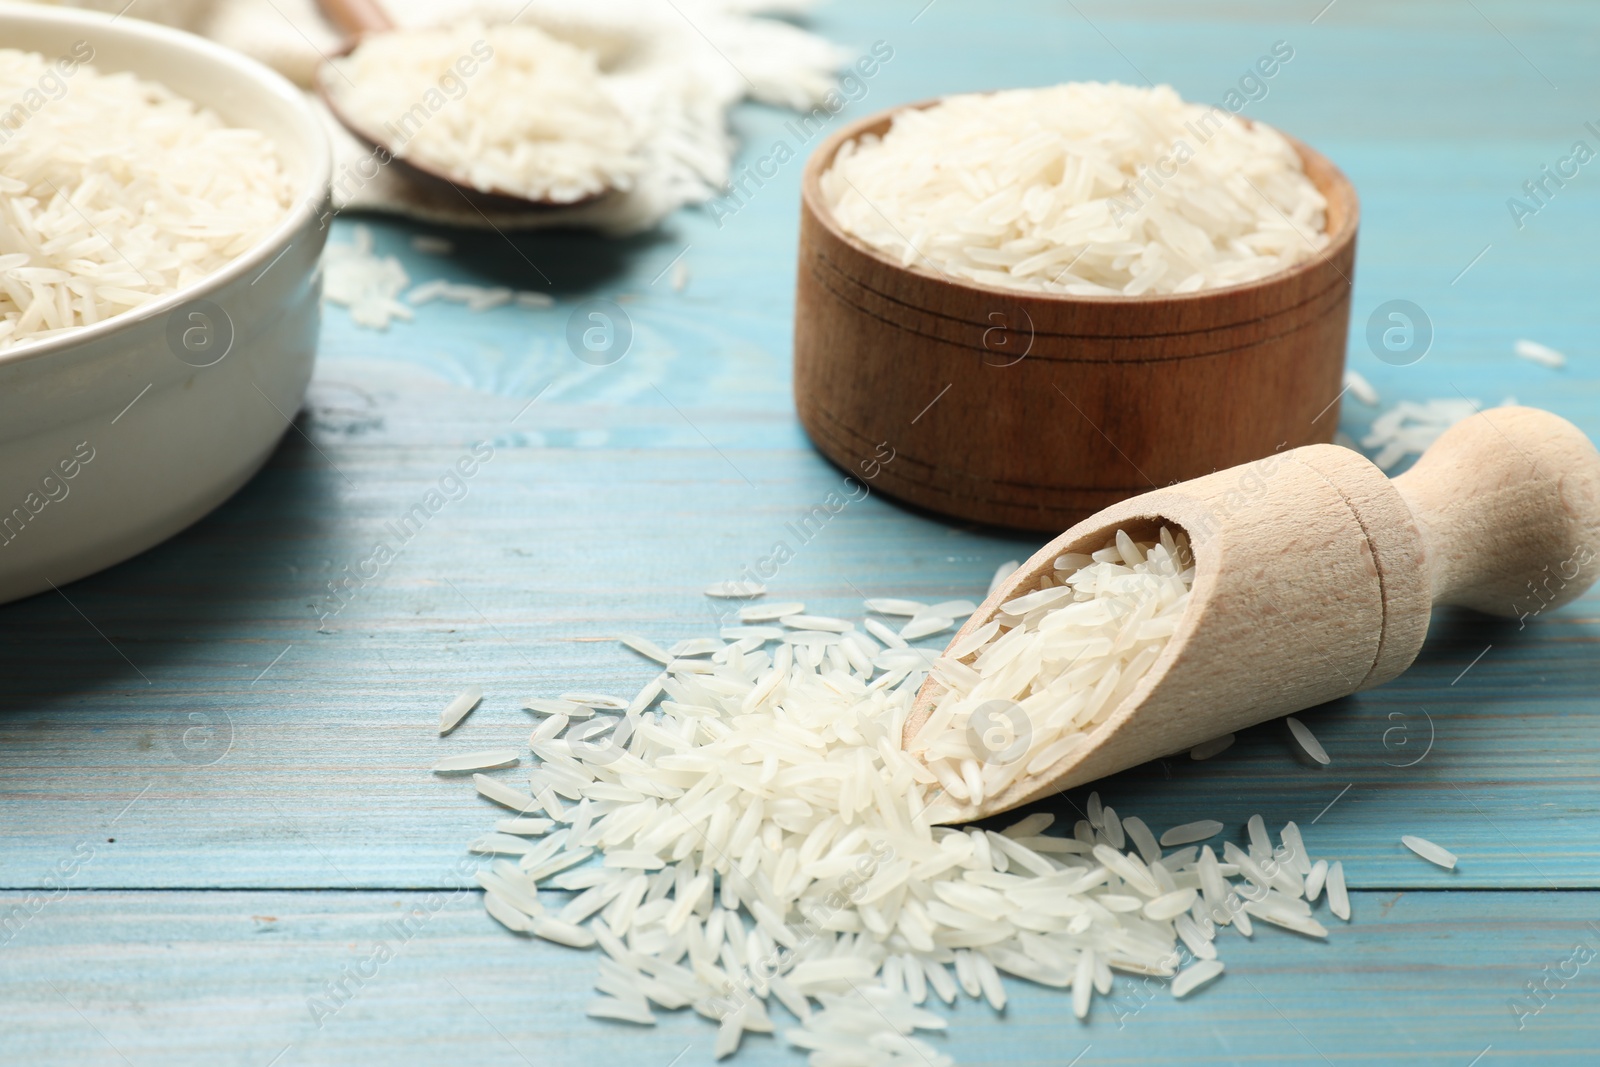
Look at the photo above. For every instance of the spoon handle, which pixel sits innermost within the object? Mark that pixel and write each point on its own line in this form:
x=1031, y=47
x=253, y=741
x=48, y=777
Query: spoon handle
x=356, y=17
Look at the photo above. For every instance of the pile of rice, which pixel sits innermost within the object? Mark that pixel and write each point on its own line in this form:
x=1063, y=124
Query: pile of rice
x=1025, y=689
x=116, y=193
x=748, y=829
x=504, y=109
x=1084, y=188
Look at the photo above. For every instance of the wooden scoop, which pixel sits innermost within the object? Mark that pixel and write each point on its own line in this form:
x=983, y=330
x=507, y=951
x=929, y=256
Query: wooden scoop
x=358, y=18
x=1315, y=576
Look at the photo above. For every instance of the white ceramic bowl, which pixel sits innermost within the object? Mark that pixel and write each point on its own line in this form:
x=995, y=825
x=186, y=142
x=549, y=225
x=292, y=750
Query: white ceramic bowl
x=115, y=437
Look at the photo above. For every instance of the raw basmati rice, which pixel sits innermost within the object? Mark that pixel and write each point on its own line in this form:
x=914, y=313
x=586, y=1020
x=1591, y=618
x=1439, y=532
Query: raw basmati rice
x=646, y=648
x=1067, y=189
x=894, y=606
x=925, y=626
x=478, y=761
x=1315, y=879
x=1360, y=388
x=1538, y=353
x=535, y=119
x=1061, y=660
x=458, y=709
x=356, y=277
x=736, y=589
x=1429, y=851
x=1194, y=976
x=1307, y=740
x=1191, y=832
x=758, y=834
x=476, y=298
x=1338, y=898
x=825, y=623
x=503, y=794
x=117, y=193
x=770, y=612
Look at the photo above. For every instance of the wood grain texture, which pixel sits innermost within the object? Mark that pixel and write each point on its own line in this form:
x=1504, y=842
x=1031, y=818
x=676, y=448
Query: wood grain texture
x=1508, y=503
x=1162, y=388
x=1315, y=577
x=236, y=979
x=1287, y=611
x=622, y=492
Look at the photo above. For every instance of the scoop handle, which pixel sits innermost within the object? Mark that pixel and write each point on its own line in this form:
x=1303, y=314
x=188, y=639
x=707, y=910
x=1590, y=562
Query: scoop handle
x=1508, y=506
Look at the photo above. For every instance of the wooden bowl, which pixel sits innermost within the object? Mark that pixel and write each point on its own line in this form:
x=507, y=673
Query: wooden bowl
x=1037, y=410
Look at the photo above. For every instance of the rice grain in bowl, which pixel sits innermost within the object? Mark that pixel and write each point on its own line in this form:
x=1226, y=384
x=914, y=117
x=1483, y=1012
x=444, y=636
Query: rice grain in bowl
x=121, y=429
x=1033, y=397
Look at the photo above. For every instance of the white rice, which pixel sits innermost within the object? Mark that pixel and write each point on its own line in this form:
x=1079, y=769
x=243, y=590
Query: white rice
x=1059, y=659
x=458, y=709
x=1316, y=878
x=1429, y=851
x=1083, y=188
x=642, y=645
x=1538, y=353
x=770, y=612
x=1307, y=740
x=736, y=589
x=1191, y=832
x=1194, y=976
x=925, y=626
x=503, y=794
x=896, y=606
x=1338, y=898
x=1360, y=388
x=533, y=119
x=759, y=835
x=117, y=193
x=356, y=277
x=478, y=761
x=476, y=298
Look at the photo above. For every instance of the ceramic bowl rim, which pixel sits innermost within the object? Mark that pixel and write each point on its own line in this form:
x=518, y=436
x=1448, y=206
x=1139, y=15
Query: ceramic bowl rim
x=263, y=82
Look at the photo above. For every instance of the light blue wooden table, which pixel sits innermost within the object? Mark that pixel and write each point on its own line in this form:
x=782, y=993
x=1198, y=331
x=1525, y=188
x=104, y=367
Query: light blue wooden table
x=172, y=903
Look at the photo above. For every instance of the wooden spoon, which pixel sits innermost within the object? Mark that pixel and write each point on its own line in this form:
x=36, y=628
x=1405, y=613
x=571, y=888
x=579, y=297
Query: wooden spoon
x=1315, y=576
x=357, y=18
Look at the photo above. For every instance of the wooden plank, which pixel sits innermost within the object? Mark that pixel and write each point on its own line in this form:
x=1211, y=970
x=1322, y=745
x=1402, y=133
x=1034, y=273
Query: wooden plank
x=243, y=978
x=1438, y=113
x=514, y=587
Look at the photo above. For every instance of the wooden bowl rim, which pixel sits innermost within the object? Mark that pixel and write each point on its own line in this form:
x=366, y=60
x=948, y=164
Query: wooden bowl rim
x=1339, y=188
